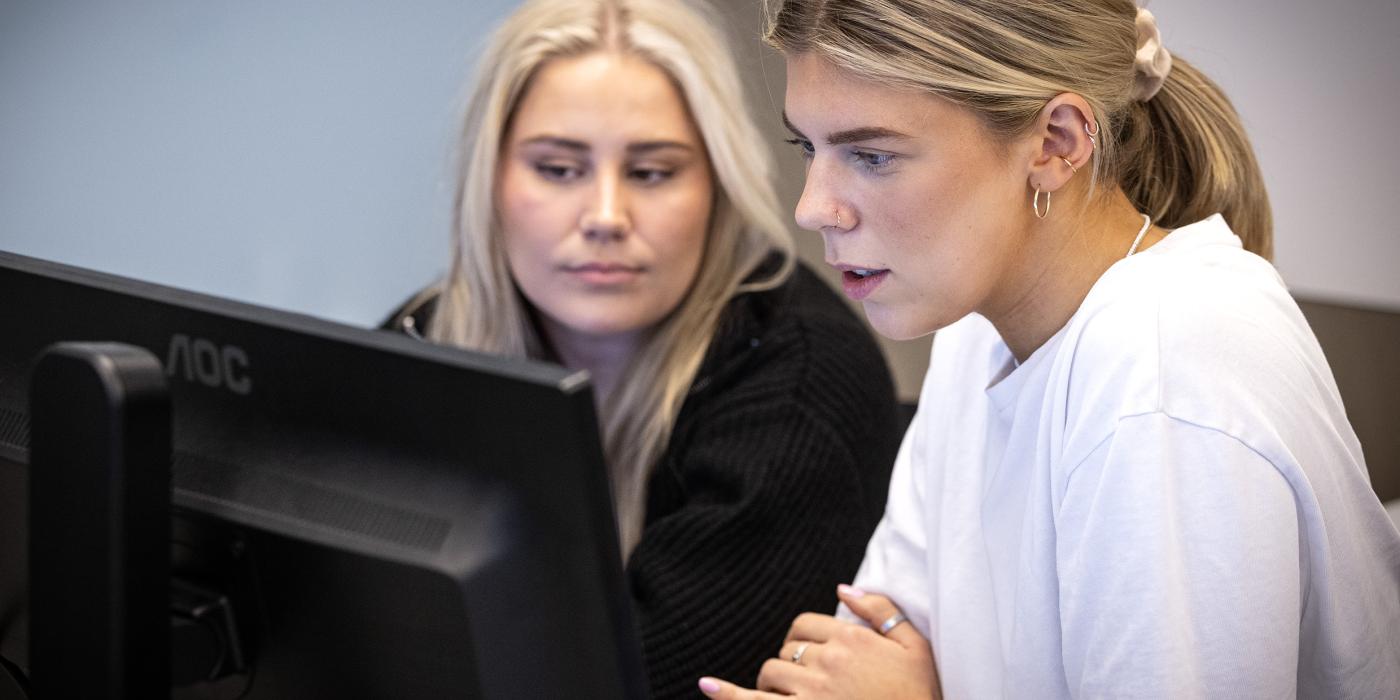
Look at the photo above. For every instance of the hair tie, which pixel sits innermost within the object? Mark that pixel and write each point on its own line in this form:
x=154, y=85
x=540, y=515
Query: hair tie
x=1153, y=61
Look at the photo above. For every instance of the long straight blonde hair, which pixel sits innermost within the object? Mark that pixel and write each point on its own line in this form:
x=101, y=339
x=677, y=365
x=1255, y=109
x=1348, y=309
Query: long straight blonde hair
x=480, y=307
x=1180, y=157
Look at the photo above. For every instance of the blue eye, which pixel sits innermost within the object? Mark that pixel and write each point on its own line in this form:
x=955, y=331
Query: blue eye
x=805, y=146
x=873, y=161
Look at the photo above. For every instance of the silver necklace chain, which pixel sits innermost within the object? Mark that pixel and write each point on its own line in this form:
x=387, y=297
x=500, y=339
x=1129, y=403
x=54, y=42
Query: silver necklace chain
x=1146, y=224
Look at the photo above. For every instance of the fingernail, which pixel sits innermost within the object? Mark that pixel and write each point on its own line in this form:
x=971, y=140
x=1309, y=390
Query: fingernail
x=851, y=591
x=709, y=686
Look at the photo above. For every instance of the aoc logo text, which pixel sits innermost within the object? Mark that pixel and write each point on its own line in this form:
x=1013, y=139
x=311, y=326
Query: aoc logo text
x=212, y=365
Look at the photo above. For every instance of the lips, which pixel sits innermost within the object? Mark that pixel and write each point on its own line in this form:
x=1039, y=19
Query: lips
x=604, y=274
x=858, y=282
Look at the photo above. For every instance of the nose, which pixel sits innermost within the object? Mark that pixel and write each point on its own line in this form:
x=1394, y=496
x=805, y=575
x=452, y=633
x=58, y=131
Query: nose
x=607, y=217
x=820, y=208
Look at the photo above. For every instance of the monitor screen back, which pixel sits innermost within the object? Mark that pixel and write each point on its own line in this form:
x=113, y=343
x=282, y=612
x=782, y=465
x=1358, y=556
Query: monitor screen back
x=385, y=515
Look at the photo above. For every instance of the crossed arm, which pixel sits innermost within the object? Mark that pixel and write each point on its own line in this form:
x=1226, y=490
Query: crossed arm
x=824, y=657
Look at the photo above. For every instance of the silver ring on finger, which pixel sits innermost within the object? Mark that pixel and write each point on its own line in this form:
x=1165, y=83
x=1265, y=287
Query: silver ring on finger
x=891, y=623
x=801, y=649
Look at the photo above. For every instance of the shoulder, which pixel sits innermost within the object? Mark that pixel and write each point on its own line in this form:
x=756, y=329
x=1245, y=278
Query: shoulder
x=794, y=359
x=794, y=391
x=414, y=314
x=1195, y=327
x=800, y=338
x=801, y=300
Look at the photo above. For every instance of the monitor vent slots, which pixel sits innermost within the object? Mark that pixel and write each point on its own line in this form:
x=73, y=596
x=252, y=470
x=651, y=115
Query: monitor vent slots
x=308, y=502
x=14, y=429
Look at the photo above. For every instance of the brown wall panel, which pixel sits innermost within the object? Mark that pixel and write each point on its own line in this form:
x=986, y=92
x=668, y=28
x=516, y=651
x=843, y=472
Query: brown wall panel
x=1363, y=347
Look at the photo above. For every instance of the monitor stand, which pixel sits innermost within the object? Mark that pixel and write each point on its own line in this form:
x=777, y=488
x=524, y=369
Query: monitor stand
x=99, y=480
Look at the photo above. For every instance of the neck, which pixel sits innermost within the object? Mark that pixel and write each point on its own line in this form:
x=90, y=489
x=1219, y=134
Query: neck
x=1060, y=261
x=604, y=356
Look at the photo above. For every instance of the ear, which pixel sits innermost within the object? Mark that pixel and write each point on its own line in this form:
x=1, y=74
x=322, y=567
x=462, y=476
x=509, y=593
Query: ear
x=1061, y=135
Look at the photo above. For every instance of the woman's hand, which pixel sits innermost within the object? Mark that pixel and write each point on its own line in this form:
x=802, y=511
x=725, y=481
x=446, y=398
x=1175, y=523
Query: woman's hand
x=824, y=657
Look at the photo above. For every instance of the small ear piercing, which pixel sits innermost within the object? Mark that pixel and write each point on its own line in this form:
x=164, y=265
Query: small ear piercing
x=1035, y=200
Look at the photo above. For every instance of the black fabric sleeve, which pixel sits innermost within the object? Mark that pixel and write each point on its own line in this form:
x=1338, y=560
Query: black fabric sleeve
x=767, y=503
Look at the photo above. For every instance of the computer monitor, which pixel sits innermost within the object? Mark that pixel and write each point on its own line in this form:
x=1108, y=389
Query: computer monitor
x=389, y=518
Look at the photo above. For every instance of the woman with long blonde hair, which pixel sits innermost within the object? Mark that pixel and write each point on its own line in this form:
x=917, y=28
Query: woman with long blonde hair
x=1131, y=474
x=615, y=214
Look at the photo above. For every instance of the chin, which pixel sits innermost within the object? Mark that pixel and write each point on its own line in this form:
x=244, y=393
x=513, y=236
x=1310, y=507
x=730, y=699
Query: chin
x=895, y=323
x=608, y=320
x=605, y=327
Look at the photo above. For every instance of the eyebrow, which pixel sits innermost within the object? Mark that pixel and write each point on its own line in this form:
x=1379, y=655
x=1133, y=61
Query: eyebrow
x=556, y=141
x=649, y=146
x=864, y=133
x=641, y=147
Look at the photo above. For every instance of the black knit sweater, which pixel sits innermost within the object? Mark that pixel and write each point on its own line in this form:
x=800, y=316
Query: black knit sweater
x=773, y=481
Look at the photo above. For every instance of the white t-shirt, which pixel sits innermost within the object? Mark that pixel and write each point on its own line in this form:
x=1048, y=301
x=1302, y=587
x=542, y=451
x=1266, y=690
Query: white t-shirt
x=1164, y=500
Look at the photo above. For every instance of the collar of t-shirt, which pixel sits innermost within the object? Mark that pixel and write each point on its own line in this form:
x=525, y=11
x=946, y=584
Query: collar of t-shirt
x=1008, y=377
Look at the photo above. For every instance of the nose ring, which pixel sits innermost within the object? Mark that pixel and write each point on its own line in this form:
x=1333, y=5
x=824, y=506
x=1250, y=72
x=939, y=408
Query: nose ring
x=838, y=218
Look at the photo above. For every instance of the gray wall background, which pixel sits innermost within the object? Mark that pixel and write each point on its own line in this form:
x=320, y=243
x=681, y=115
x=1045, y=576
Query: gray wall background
x=290, y=153
x=296, y=154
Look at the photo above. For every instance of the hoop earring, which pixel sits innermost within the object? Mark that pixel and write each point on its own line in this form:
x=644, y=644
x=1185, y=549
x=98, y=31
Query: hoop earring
x=1071, y=165
x=838, y=218
x=1035, y=204
x=1092, y=134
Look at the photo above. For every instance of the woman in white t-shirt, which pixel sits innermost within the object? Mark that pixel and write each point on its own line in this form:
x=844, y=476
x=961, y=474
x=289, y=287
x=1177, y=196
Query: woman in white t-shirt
x=1131, y=474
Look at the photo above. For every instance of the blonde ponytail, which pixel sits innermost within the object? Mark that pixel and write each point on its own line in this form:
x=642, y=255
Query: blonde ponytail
x=1184, y=155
